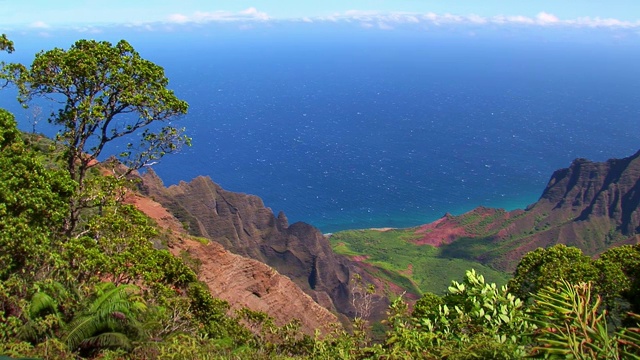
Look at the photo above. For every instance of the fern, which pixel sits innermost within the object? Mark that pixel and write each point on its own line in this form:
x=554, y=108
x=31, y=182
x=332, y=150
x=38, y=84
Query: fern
x=109, y=320
x=41, y=304
x=107, y=340
x=42, y=318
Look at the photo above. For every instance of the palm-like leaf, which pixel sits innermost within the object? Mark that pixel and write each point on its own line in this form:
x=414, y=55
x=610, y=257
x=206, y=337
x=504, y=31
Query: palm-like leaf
x=571, y=323
x=41, y=304
x=109, y=320
x=107, y=340
x=629, y=340
x=43, y=317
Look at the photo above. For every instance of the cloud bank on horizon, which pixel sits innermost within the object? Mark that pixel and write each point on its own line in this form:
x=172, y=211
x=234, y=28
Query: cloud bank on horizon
x=365, y=19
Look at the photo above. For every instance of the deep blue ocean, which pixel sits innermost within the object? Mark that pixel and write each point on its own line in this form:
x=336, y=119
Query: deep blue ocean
x=395, y=130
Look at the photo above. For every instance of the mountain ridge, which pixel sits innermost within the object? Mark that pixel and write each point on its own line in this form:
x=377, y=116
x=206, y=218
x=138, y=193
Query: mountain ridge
x=590, y=205
x=243, y=225
x=241, y=281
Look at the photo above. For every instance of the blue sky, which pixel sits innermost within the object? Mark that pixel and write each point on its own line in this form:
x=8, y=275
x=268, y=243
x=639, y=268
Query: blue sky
x=47, y=15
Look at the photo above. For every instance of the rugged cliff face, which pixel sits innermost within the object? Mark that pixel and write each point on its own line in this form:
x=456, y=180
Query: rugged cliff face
x=587, y=191
x=589, y=205
x=244, y=226
x=241, y=281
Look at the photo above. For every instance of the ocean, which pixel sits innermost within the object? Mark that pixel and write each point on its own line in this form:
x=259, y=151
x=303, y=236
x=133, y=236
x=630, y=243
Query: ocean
x=394, y=130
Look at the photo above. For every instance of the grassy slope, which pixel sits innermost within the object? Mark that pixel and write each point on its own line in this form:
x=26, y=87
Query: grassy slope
x=416, y=268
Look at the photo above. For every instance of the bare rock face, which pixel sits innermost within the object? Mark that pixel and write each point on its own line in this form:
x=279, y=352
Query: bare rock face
x=243, y=225
x=589, y=190
x=249, y=283
x=241, y=281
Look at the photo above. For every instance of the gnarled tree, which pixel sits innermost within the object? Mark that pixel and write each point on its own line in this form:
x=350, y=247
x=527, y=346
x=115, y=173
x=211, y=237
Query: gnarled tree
x=105, y=93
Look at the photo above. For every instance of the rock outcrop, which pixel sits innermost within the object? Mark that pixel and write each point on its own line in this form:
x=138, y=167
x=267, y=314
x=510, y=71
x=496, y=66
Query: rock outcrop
x=241, y=281
x=589, y=205
x=243, y=225
x=588, y=191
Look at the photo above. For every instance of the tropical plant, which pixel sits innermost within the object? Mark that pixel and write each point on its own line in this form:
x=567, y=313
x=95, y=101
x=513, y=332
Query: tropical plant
x=43, y=318
x=109, y=321
x=7, y=71
x=572, y=324
x=473, y=320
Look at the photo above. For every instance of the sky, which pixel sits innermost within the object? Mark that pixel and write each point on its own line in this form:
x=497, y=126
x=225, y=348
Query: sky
x=47, y=15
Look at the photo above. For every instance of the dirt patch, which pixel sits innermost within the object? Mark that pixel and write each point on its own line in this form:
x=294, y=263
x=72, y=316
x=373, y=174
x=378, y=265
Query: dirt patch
x=360, y=258
x=156, y=211
x=440, y=232
x=408, y=272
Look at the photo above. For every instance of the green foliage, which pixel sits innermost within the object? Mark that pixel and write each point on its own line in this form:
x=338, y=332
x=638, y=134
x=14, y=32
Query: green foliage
x=7, y=71
x=620, y=275
x=6, y=44
x=108, y=92
x=43, y=318
x=275, y=340
x=32, y=204
x=429, y=303
x=615, y=275
x=474, y=307
x=109, y=321
x=473, y=320
x=416, y=268
x=542, y=267
x=572, y=325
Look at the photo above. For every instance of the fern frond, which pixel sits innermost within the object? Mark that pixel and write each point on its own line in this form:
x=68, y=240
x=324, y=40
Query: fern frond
x=82, y=328
x=42, y=304
x=113, y=340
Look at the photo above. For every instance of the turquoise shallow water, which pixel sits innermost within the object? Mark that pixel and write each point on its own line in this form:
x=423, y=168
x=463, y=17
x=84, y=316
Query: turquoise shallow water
x=394, y=131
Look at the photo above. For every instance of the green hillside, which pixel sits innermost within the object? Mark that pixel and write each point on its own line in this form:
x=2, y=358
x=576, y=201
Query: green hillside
x=415, y=268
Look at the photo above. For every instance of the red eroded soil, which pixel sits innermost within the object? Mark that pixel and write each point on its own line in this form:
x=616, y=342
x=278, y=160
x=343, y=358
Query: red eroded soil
x=157, y=212
x=440, y=232
x=407, y=272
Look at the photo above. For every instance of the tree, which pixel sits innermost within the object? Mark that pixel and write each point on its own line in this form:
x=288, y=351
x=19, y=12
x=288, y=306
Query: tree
x=542, y=267
x=620, y=276
x=6, y=70
x=6, y=44
x=105, y=93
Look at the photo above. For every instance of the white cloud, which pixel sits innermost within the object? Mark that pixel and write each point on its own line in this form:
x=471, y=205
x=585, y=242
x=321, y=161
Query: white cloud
x=250, y=14
x=599, y=22
x=544, y=18
x=178, y=18
x=89, y=30
x=39, y=25
x=254, y=14
x=476, y=19
x=541, y=19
